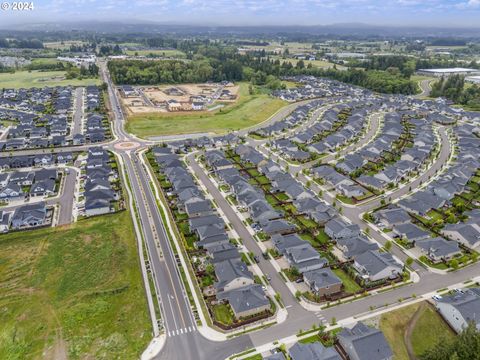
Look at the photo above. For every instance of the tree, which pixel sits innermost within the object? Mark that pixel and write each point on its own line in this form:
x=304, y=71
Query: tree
x=454, y=264
x=409, y=261
x=388, y=245
x=466, y=346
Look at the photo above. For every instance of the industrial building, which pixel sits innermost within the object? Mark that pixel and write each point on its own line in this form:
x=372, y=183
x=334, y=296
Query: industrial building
x=448, y=72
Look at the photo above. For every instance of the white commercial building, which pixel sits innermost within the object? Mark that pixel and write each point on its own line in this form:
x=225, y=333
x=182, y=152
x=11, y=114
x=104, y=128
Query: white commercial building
x=473, y=79
x=448, y=72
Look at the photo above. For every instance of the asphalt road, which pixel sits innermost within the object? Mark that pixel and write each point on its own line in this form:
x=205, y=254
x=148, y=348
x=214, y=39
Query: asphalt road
x=183, y=340
x=425, y=87
x=65, y=201
x=78, y=115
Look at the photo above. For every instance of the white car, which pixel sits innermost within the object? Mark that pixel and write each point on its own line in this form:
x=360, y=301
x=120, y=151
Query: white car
x=436, y=297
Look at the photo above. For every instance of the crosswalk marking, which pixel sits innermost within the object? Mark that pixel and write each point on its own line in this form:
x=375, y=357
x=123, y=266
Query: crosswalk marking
x=181, y=331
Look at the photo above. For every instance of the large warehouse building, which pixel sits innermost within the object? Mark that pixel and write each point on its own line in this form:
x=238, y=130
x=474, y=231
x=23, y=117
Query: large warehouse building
x=473, y=79
x=448, y=72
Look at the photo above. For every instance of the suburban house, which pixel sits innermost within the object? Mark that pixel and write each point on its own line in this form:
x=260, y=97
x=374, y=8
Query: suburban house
x=232, y=274
x=339, y=229
x=313, y=351
x=364, y=343
x=461, y=308
x=5, y=221
x=323, y=282
x=28, y=216
x=438, y=249
x=374, y=265
x=246, y=301
x=304, y=258
x=466, y=233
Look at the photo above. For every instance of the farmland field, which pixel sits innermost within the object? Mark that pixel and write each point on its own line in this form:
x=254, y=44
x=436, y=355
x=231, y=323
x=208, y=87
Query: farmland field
x=27, y=79
x=73, y=291
x=155, y=52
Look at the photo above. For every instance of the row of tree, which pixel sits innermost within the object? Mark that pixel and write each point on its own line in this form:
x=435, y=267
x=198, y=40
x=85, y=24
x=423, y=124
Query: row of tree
x=21, y=43
x=454, y=89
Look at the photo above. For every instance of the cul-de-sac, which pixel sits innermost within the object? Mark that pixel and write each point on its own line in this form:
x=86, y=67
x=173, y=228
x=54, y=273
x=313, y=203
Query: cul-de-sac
x=256, y=180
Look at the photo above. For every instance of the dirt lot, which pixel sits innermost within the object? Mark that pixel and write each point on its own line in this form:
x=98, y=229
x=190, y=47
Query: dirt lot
x=154, y=98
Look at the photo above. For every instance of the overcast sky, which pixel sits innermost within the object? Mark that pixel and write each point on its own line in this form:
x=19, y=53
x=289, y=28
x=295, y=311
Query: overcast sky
x=255, y=12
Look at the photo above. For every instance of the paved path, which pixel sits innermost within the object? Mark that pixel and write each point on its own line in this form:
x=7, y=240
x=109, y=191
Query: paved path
x=425, y=87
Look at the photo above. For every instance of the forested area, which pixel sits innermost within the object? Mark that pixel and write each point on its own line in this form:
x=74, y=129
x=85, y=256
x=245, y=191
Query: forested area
x=248, y=68
x=21, y=43
x=453, y=88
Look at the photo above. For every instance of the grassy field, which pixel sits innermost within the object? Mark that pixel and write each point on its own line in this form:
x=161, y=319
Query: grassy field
x=168, y=53
x=27, y=79
x=394, y=324
x=46, y=61
x=74, y=291
x=62, y=45
x=418, y=78
x=423, y=337
x=315, y=63
x=247, y=111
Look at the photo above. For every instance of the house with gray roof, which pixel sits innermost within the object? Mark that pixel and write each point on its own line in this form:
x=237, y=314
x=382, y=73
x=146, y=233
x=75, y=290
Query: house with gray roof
x=410, y=232
x=304, y=258
x=374, y=265
x=313, y=351
x=199, y=208
x=390, y=217
x=466, y=233
x=364, y=343
x=438, y=249
x=460, y=309
x=232, y=274
x=283, y=242
x=339, y=229
x=28, y=216
x=323, y=282
x=356, y=245
x=279, y=226
x=5, y=221
x=246, y=300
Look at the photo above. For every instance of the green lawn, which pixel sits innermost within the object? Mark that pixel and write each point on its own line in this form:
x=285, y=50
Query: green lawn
x=45, y=61
x=248, y=111
x=349, y=284
x=423, y=337
x=223, y=314
x=28, y=79
x=76, y=288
